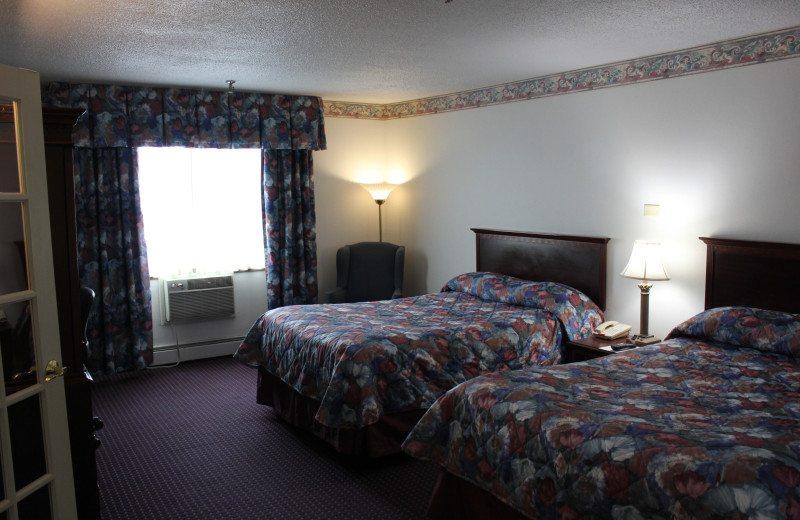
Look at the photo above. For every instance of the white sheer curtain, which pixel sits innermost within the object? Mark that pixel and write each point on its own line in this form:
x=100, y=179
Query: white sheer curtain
x=201, y=209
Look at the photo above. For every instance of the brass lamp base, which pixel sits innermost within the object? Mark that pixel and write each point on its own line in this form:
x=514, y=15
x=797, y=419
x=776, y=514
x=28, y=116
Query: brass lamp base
x=644, y=312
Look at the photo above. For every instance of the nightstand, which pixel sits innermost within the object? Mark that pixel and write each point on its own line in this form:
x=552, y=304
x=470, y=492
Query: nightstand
x=589, y=348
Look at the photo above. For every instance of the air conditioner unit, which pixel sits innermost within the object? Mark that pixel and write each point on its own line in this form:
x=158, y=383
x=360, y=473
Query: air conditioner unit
x=195, y=298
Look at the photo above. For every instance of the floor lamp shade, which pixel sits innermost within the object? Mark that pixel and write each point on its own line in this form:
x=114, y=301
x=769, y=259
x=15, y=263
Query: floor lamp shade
x=379, y=192
x=645, y=264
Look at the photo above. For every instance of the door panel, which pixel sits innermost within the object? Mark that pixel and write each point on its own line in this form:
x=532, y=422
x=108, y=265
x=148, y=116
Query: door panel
x=34, y=452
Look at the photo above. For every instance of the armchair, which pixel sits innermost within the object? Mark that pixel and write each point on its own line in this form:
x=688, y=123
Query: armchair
x=368, y=271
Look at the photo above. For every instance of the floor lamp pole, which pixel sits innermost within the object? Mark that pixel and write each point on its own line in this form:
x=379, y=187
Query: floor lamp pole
x=380, y=202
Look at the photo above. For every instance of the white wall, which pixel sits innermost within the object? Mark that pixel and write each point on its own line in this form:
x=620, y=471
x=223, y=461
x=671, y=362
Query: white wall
x=718, y=151
x=346, y=212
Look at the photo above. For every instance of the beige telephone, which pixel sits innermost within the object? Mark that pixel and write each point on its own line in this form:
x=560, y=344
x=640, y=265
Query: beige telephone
x=612, y=330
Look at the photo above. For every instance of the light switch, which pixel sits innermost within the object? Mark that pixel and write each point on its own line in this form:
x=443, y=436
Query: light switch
x=652, y=210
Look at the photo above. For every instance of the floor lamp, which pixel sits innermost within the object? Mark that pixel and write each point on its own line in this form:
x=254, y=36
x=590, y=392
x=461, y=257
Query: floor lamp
x=645, y=265
x=379, y=192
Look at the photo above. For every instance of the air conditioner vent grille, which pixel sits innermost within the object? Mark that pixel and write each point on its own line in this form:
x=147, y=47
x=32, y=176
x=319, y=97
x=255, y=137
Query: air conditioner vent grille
x=196, y=298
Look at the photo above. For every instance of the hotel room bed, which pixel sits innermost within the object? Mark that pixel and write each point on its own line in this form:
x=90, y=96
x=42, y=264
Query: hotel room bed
x=359, y=375
x=703, y=425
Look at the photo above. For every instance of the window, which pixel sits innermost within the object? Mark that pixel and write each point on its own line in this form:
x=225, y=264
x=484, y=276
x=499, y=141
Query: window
x=201, y=210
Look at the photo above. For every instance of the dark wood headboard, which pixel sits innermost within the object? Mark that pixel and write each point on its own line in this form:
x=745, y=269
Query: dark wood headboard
x=765, y=275
x=579, y=262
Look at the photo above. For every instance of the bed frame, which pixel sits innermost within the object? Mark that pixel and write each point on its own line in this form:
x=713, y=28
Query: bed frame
x=738, y=273
x=579, y=262
x=756, y=274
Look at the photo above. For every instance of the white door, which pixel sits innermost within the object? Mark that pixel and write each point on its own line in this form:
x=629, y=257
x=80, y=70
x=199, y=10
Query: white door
x=34, y=452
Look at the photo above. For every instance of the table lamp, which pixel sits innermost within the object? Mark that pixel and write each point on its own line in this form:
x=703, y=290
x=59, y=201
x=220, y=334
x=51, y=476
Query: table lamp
x=645, y=265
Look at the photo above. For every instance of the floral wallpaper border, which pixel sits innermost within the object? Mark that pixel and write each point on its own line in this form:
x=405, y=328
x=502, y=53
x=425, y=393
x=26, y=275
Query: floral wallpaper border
x=760, y=48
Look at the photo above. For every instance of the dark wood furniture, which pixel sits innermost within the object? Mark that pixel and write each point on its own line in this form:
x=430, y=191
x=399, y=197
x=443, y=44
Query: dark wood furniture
x=58, y=125
x=589, y=348
x=738, y=273
x=579, y=262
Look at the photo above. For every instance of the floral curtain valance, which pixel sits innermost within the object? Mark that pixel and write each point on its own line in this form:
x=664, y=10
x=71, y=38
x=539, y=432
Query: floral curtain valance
x=122, y=116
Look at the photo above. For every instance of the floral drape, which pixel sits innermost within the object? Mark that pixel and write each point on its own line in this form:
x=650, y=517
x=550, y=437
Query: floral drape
x=113, y=259
x=112, y=252
x=289, y=227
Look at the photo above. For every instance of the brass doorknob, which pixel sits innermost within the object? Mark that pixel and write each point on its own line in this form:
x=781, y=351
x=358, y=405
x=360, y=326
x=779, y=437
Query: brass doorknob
x=53, y=370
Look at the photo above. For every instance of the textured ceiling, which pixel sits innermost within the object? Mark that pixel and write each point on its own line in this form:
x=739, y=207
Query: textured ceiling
x=378, y=51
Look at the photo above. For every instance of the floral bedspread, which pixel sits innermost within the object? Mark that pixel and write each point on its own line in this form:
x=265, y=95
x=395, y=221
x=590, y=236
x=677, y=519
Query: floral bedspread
x=703, y=425
x=362, y=360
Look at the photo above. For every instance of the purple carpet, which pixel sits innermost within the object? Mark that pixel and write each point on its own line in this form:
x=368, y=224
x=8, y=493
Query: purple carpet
x=190, y=442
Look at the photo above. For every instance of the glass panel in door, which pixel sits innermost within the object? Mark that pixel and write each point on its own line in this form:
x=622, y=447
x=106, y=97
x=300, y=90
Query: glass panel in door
x=16, y=341
x=9, y=167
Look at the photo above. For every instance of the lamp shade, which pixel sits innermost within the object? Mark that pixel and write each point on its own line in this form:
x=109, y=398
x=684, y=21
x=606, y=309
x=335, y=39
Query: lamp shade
x=645, y=262
x=379, y=191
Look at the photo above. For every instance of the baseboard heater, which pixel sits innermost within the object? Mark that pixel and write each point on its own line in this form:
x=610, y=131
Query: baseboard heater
x=198, y=298
x=171, y=354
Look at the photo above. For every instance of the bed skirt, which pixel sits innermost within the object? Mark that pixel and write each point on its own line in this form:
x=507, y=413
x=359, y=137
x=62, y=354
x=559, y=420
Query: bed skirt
x=376, y=440
x=455, y=498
